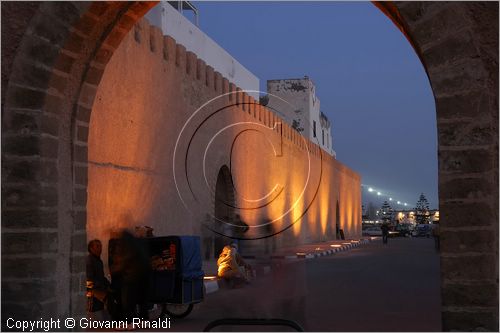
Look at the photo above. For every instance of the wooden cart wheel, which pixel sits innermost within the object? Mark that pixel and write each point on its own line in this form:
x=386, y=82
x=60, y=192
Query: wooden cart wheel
x=177, y=310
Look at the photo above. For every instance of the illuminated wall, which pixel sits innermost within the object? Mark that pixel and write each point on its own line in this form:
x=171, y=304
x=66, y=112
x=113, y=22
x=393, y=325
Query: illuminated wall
x=162, y=126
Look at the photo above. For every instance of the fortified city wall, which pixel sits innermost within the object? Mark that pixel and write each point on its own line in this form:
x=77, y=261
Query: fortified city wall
x=141, y=115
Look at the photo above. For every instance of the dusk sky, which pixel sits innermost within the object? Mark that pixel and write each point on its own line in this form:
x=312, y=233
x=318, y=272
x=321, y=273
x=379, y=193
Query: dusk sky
x=371, y=83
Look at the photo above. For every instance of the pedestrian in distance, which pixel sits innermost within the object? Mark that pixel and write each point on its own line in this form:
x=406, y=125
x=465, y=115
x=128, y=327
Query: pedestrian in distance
x=435, y=233
x=385, y=232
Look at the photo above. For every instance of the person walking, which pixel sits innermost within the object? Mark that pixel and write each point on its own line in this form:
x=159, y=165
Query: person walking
x=435, y=233
x=385, y=232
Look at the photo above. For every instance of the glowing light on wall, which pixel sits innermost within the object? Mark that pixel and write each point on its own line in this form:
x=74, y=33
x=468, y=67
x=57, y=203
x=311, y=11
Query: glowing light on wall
x=324, y=208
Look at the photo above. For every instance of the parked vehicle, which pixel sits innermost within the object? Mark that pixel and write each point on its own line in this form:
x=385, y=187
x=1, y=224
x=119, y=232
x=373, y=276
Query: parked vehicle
x=176, y=277
x=423, y=230
x=372, y=231
x=404, y=230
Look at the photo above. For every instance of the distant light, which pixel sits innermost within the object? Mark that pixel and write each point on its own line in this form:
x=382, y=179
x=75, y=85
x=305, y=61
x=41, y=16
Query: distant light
x=390, y=199
x=336, y=245
x=405, y=203
x=399, y=203
x=370, y=189
x=318, y=249
x=378, y=193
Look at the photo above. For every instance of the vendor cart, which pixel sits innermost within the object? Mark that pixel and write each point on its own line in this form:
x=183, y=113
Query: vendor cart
x=175, y=277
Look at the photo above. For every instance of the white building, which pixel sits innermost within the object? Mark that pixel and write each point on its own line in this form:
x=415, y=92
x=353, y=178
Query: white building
x=301, y=109
x=177, y=26
x=296, y=102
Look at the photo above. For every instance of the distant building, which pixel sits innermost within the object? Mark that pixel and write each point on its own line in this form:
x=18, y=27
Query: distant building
x=409, y=216
x=295, y=101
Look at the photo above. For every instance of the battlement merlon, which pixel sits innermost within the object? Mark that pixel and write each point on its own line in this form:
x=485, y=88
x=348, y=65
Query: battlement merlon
x=172, y=23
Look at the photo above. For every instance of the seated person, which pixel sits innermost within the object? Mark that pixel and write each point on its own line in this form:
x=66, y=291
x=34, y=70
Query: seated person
x=231, y=265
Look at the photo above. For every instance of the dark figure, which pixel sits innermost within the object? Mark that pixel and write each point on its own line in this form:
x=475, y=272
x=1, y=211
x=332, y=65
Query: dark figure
x=385, y=232
x=130, y=270
x=435, y=233
x=96, y=281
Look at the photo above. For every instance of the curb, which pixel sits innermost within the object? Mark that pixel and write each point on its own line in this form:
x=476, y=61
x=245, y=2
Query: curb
x=212, y=286
x=346, y=246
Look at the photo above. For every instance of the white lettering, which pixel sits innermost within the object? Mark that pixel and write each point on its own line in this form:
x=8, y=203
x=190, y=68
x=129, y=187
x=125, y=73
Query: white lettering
x=34, y=325
x=84, y=322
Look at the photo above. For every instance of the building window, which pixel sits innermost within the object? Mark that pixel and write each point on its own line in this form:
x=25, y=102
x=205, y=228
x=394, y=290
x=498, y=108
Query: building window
x=323, y=136
x=314, y=128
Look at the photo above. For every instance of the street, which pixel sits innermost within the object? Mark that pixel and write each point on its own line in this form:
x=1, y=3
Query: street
x=374, y=287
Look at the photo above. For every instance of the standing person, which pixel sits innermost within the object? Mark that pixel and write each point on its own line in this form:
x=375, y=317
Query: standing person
x=385, y=232
x=97, y=284
x=130, y=269
x=435, y=233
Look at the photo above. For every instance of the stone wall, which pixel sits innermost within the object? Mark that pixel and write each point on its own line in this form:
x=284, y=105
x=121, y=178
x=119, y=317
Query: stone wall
x=458, y=46
x=150, y=110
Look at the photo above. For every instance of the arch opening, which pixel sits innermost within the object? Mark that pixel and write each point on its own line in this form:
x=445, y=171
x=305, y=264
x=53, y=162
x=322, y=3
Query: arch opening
x=224, y=213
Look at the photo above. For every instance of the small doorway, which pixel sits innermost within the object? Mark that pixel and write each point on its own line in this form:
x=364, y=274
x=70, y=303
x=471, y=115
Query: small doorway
x=224, y=208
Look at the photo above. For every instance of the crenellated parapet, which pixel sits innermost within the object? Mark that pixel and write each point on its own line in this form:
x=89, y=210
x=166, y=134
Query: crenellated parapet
x=192, y=68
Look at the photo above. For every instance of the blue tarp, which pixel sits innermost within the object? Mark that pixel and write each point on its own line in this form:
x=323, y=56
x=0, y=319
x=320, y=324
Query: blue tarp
x=191, y=257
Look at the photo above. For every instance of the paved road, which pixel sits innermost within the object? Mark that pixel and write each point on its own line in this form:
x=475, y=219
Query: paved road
x=370, y=288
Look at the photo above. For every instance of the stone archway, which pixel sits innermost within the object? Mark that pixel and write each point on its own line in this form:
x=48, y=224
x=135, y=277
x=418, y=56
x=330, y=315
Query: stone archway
x=53, y=56
x=56, y=53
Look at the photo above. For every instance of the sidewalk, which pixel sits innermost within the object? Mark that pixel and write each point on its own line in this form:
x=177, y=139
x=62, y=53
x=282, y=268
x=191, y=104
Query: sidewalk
x=263, y=265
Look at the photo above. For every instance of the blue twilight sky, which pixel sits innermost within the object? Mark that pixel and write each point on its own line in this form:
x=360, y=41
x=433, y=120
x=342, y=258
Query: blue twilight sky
x=371, y=83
